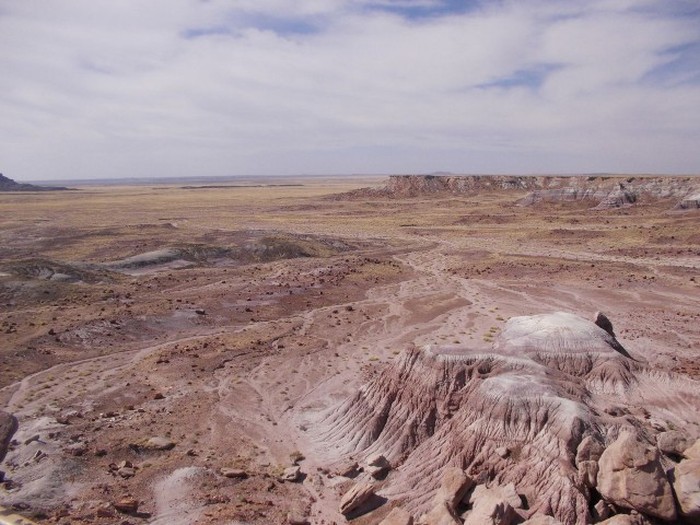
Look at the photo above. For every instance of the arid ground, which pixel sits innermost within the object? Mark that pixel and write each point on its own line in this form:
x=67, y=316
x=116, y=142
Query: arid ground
x=224, y=321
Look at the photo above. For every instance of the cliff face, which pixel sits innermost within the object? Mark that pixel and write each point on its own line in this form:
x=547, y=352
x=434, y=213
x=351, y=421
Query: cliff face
x=598, y=192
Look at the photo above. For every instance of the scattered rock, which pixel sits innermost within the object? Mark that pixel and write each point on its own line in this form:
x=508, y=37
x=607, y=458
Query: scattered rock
x=631, y=476
x=234, y=473
x=454, y=487
x=127, y=472
x=397, y=516
x=355, y=498
x=292, y=474
x=349, y=470
x=66, y=417
x=77, y=449
x=686, y=484
x=157, y=443
x=127, y=505
x=32, y=439
x=377, y=466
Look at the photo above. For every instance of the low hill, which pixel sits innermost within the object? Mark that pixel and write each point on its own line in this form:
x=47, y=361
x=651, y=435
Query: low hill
x=7, y=184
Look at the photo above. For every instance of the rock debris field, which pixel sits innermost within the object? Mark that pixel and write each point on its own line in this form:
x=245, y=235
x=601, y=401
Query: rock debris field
x=486, y=350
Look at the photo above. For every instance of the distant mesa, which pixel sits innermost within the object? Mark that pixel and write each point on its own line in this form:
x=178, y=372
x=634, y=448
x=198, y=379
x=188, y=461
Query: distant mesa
x=7, y=184
x=599, y=192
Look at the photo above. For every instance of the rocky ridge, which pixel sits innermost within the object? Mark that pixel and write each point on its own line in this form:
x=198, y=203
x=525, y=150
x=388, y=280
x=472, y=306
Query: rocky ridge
x=551, y=409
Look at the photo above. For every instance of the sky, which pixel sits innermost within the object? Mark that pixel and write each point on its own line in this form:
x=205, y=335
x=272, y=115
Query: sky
x=167, y=88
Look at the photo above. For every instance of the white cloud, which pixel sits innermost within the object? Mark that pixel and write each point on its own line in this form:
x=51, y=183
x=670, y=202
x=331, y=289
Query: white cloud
x=187, y=87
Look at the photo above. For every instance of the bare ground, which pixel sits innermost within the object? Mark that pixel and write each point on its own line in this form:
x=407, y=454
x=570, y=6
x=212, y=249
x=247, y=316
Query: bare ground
x=233, y=353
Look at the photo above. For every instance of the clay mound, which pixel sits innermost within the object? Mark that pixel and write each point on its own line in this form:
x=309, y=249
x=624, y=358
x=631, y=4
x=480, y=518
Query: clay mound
x=516, y=412
x=48, y=270
x=691, y=202
x=263, y=249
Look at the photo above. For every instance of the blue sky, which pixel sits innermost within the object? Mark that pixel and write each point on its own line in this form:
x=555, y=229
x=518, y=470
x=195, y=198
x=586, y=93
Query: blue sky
x=225, y=87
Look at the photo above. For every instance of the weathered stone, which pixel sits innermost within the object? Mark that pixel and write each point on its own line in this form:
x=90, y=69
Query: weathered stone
x=493, y=506
x=440, y=514
x=541, y=519
x=397, y=516
x=492, y=513
x=292, y=474
x=587, y=455
x=686, y=484
x=631, y=476
x=32, y=439
x=601, y=511
x=234, y=473
x=620, y=519
x=356, y=497
x=158, y=443
x=590, y=449
x=127, y=472
x=503, y=452
x=454, y=486
x=693, y=452
x=127, y=505
x=105, y=511
x=506, y=493
x=672, y=443
x=77, y=449
x=348, y=470
x=377, y=466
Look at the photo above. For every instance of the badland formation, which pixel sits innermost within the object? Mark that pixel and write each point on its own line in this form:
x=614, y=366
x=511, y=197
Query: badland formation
x=436, y=350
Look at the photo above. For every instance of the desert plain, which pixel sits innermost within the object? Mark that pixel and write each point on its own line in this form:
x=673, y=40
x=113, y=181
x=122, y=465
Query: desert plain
x=173, y=353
